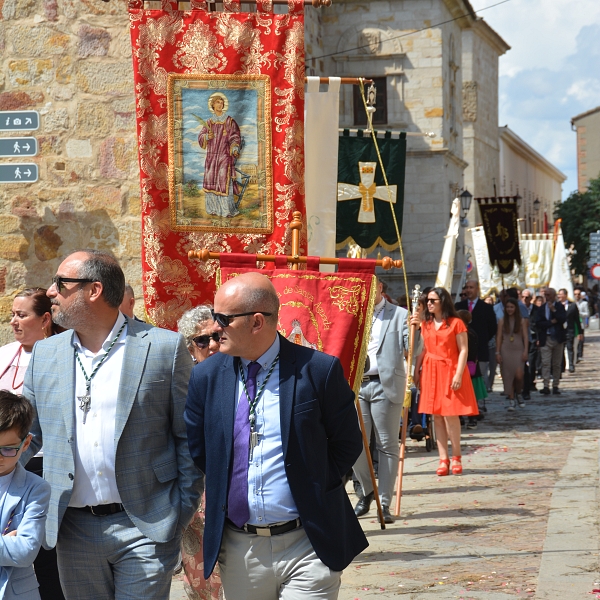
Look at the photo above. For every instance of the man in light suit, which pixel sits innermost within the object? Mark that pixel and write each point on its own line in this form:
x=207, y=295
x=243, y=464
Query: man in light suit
x=277, y=516
x=109, y=398
x=381, y=397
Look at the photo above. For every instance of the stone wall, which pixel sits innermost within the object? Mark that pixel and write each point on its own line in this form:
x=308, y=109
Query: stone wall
x=71, y=61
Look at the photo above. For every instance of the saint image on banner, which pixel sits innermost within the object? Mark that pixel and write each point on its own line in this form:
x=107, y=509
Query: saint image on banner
x=222, y=140
x=220, y=171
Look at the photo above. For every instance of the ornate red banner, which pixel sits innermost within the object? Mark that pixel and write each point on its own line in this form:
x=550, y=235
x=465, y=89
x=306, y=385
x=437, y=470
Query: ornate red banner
x=220, y=109
x=330, y=312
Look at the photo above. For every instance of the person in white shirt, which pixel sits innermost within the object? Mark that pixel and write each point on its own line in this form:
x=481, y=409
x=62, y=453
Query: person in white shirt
x=109, y=396
x=381, y=396
x=31, y=321
x=584, y=313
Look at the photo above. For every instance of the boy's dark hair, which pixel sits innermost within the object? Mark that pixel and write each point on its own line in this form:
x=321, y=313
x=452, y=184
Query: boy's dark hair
x=15, y=413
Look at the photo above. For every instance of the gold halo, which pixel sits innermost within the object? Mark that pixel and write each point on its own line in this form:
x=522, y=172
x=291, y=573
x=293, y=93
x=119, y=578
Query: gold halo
x=218, y=95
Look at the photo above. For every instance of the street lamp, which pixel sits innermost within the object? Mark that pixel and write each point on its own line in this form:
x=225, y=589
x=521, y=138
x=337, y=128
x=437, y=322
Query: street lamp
x=536, y=210
x=465, y=204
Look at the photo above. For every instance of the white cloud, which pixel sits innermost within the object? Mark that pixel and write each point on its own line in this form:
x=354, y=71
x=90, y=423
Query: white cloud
x=550, y=74
x=541, y=33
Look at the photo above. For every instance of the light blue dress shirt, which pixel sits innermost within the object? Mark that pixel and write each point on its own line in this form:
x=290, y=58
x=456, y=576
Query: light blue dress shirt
x=269, y=496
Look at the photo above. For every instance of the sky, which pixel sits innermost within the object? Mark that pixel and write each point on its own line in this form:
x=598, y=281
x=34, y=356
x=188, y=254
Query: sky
x=550, y=74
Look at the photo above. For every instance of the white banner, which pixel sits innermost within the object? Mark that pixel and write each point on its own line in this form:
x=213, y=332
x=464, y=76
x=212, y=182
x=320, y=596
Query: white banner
x=321, y=122
x=561, y=271
x=446, y=267
x=482, y=261
x=536, y=252
x=490, y=280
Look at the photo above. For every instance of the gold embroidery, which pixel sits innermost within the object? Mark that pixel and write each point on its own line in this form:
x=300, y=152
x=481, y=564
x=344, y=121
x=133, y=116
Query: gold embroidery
x=199, y=51
x=345, y=298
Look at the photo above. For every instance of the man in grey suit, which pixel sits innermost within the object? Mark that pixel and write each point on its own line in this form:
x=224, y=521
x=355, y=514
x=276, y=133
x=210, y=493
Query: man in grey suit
x=381, y=397
x=109, y=396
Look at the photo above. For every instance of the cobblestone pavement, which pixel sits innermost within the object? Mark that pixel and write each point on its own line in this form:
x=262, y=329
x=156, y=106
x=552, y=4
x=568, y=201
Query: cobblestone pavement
x=521, y=521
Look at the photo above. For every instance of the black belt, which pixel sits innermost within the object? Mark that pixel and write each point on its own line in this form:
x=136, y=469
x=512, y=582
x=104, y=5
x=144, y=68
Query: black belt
x=103, y=510
x=268, y=530
x=367, y=378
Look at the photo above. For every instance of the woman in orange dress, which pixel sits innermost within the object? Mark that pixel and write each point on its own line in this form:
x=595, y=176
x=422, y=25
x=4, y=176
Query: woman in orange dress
x=446, y=388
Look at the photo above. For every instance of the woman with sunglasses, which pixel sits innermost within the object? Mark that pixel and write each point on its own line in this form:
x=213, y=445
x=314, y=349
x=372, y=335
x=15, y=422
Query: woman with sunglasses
x=202, y=342
x=446, y=388
x=31, y=321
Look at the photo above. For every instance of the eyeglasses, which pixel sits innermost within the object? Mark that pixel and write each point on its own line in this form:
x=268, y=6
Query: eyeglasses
x=59, y=281
x=11, y=451
x=225, y=320
x=202, y=341
x=432, y=300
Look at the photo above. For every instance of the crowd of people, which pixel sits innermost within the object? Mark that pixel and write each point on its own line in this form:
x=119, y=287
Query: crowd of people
x=224, y=448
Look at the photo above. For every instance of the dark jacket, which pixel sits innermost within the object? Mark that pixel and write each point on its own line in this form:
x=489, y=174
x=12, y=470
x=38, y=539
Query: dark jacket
x=542, y=325
x=321, y=441
x=483, y=323
x=573, y=320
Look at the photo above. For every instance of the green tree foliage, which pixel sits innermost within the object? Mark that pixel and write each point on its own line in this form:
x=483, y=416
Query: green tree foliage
x=580, y=214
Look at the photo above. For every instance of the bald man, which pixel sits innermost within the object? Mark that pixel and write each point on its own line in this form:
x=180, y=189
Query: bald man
x=273, y=427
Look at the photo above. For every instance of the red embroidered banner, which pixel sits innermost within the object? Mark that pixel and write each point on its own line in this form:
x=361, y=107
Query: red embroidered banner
x=312, y=302
x=220, y=109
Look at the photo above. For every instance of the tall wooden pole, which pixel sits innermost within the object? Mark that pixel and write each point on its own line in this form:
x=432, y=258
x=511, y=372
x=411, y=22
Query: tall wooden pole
x=407, y=399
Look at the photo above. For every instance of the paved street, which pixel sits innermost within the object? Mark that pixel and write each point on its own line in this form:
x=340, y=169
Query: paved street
x=521, y=521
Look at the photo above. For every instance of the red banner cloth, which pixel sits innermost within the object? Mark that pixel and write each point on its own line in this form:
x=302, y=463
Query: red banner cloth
x=200, y=45
x=330, y=312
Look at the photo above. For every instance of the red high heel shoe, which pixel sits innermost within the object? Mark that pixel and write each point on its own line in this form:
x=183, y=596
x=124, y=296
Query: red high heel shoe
x=456, y=465
x=443, y=468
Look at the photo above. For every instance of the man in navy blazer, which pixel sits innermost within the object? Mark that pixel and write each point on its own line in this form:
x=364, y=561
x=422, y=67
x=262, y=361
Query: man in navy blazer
x=295, y=529
x=549, y=321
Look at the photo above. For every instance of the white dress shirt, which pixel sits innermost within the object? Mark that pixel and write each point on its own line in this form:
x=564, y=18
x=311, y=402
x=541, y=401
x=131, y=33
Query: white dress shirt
x=375, y=335
x=269, y=496
x=95, y=482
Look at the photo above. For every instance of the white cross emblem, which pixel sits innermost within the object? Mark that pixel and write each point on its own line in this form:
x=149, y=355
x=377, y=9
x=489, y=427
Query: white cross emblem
x=367, y=191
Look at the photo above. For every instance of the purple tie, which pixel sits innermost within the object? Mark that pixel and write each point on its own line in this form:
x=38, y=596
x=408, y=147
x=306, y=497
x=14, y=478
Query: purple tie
x=237, y=500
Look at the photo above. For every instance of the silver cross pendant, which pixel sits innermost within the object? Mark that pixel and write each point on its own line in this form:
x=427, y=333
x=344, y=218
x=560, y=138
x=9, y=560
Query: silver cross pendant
x=85, y=403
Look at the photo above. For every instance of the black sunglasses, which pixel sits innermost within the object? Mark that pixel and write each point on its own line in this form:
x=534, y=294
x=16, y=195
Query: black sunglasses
x=59, y=281
x=225, y=320
x=202, y=341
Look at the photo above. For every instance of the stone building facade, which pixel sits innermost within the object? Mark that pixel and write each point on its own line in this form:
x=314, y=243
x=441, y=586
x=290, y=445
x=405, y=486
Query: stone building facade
x=525, y=172
x=439, y=64
x=71, y=61
x=587, y=126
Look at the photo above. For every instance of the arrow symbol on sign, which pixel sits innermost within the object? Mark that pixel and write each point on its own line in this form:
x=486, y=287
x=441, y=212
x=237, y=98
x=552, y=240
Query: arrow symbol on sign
x=28, y=173
x=28, y=121
x=26, y=146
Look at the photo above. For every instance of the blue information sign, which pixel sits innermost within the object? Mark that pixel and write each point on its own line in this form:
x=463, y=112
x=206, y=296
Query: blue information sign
x=19, y=120
x=18, y=146
x=18, y=173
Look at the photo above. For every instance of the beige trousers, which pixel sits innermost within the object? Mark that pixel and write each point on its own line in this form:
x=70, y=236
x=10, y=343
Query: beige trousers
x=552, y=356
x=272, y=568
